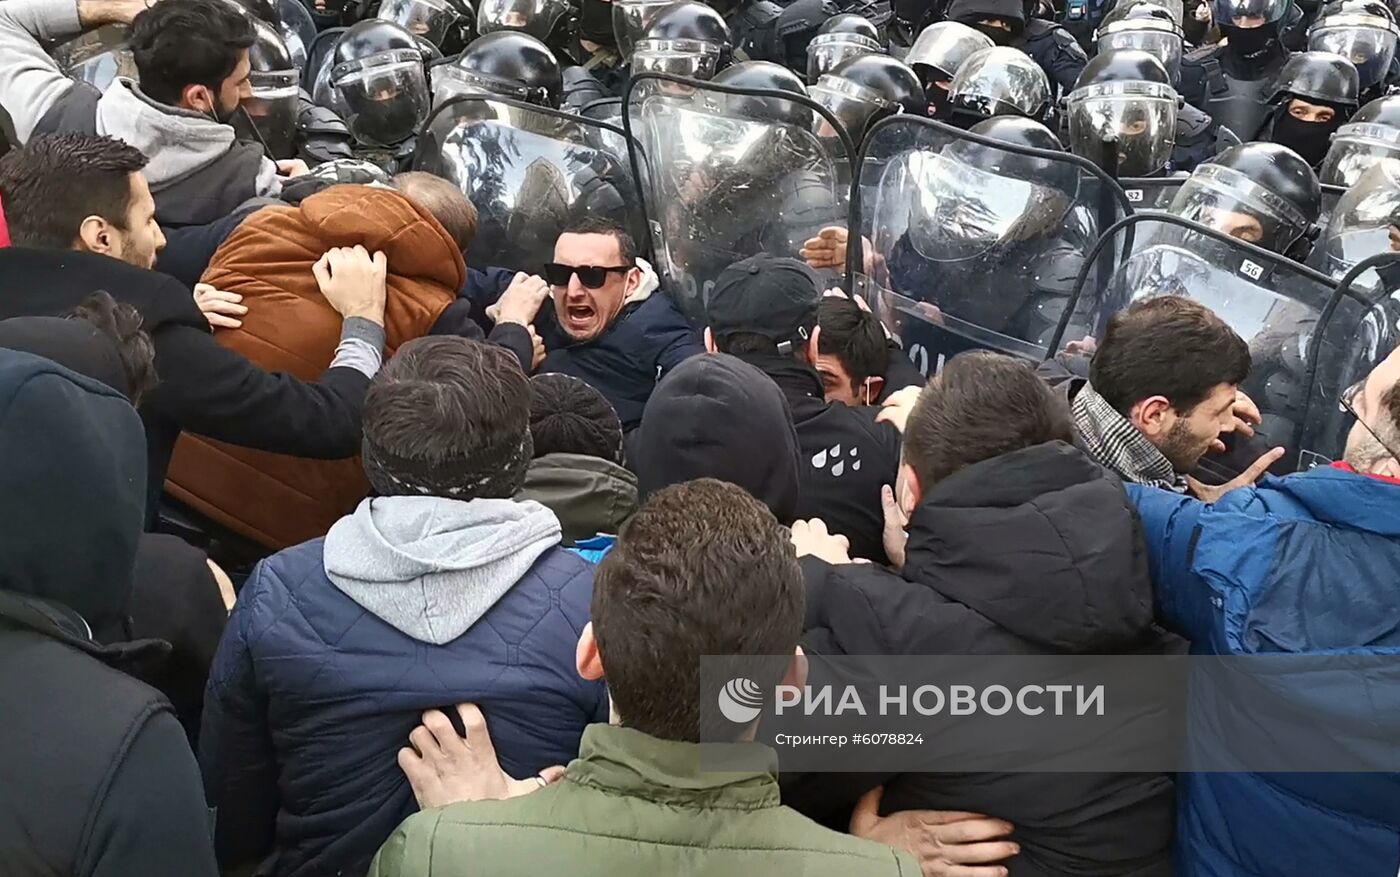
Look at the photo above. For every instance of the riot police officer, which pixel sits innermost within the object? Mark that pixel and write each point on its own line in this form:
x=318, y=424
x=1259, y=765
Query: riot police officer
x=1261, y=193
x=508, y=64
x=999, y=81
x=865, y=89
x=549, y=21
x=1363, y=31
x=938, y=54
x=1006, y=22
x=992, y=239
x=378, y=85
x=1230, y=80
x=687, y=38
x=1315, y=94
x=1122, y=114
x=1147, y=26
x=842, y=37
x=269, y=114
x=1372, y=134
x=436, y=21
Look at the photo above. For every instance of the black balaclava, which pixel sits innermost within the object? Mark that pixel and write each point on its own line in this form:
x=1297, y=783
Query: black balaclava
x=1252, y=45
x=595, y=23
x=1308, y=139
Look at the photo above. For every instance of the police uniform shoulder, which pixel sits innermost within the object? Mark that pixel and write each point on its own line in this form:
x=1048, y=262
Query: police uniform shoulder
x=758, y=12
x=805, y=15
x=1202, y=54
x=1192, y=124
x=1039, y=28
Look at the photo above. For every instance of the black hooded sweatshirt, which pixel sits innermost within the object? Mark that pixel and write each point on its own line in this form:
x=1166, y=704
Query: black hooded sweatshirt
x=714, y=416
x=98, y=778
x=1036, y=552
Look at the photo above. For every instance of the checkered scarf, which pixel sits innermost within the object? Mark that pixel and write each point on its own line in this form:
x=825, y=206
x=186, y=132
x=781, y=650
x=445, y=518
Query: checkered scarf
x=1118, y=445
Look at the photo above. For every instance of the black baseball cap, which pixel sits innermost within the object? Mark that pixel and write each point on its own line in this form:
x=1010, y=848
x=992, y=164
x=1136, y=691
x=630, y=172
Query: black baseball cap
x=772, y=296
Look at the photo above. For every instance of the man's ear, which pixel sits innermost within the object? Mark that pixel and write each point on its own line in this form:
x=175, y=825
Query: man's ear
x=586, y=658
x=909, y=492
x=812, y=347
x=96, y=236
x=874, y=386
x=710, y=341
x=196, y=97
x=1152, y=416
x=796, y=675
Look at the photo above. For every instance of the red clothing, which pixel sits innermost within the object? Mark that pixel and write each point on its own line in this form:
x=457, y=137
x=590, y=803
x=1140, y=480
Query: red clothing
x=1347, y=467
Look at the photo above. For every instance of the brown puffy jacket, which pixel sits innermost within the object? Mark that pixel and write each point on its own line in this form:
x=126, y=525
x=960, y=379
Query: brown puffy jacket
x=274, y=499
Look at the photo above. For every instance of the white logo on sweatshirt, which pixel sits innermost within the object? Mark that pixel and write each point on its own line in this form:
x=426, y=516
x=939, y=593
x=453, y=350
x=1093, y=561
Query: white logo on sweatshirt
x=832, y=457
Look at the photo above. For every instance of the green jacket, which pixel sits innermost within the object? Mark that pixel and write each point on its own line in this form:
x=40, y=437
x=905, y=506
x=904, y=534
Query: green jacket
x=634, y=805
x=589, y=495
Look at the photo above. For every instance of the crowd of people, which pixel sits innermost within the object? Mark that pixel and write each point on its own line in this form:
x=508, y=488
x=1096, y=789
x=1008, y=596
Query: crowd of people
x=393, y=438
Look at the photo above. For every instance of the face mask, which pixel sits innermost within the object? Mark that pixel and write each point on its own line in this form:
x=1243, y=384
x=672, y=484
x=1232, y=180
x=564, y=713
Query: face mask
x=1308, y=139
x=1250, y=42
x=998, y=35
x=937, y=101
x=595, y=23
x=389, y=121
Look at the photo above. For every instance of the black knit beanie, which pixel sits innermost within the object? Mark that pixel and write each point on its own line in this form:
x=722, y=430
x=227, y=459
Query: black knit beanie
x=568, y=416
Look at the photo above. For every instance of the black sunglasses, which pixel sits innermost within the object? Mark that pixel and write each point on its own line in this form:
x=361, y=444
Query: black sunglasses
x=591, y=276
x=1347, y=402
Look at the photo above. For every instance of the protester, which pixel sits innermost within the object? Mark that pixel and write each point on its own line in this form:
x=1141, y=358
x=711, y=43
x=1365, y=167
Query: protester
x=81, y=218
x=440, y=589
x=764, y=311
x=271, y=263
x=858, y=363
x=607, y=325
x=1018, y=544
x=1299, y=565
x=192, y=61
x=98, y=777
x=703, y=569
x=177, y=594
x=1162, y=393
x=577, y=471
x=718, y=417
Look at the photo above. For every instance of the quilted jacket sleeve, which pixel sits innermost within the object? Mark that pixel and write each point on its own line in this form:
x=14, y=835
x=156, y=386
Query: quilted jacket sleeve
x=236, y=755
x=1169, y=524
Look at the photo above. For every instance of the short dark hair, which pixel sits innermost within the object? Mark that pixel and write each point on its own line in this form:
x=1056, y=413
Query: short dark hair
x=121, y=323
x=980, y=406
x=626, y=245
x=448, y=417
x=852, y=335
x=57, y=180
x=178, y=43
x=1167, y=346
x=702, y=569
x=448, y=204
x=568, y=416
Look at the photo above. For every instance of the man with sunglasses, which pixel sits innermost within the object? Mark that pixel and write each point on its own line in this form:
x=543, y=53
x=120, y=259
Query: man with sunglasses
x=1305, y=564
x=609, y=326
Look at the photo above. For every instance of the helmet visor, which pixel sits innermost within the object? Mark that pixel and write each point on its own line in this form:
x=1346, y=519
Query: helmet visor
x=385, y=96
x=827, y=50
x=854, y=106
x=269, y=113
x=1361, y=223
x=1139, y=117
x=1164, y=45
x=695, y=59
x=428, y=19
x=945, y=48
x=1355, y=148
x=534, y=17
x=1229, y=202
x=1248, y=13
x=451, y=81
x=1370, y=48
x=994, y=84
x=960, y=212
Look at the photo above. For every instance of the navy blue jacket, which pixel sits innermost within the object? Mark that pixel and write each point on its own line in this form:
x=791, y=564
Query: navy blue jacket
x=311, y=697
x=1308, y=565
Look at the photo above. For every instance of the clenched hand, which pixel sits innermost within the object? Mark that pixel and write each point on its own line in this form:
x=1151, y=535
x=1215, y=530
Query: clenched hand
x=353, y=282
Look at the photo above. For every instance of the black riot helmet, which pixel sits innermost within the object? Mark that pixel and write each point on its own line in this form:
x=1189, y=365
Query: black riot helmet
x=1262, y=193
x=849, y=22
x=378, y=82
x=894, y=80
x=865, y=89
x=684, y=39
x=1020, y=131
x=1143, y=25
x=506, y=63
x=1001, y=81
x=1363, y=31
x=1121, y=113
x=1252, y=27
x=269, y=51
x=1319, y=78
x=937, y=55
x=1370, y=135
x=767, y=76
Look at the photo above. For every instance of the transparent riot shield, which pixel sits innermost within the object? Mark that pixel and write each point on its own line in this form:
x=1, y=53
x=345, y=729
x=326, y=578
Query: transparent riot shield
x=531, y=172
x=1305, y=335
x=975, y=243
x=730, y=173
x=97, y=57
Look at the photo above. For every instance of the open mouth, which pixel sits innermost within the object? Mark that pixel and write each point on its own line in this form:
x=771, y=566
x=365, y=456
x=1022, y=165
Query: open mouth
x=579, y=316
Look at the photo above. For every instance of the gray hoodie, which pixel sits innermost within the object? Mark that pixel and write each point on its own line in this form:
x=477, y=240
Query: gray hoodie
x=432, y=567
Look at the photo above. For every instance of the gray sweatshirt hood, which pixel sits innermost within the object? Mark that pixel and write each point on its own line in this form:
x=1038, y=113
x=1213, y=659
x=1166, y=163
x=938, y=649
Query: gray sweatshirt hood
x=432, y=567
x=177, y=142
